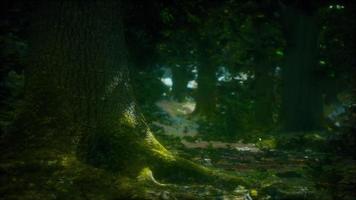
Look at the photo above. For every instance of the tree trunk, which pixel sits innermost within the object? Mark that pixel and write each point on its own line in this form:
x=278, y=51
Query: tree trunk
x=78, y=76
x=301, y=98
x=264, y=96
x=206, y=92
x=78, y=85
x=180, y=78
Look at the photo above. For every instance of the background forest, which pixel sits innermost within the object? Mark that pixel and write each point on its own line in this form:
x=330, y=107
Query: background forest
x=203, y=99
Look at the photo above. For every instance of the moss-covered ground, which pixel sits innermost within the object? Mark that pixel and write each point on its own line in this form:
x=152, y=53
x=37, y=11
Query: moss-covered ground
x=278, y=166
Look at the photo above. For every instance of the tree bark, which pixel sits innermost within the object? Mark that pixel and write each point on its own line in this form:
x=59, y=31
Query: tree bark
x=78, y=86
x=301, y=98
x=78, y=77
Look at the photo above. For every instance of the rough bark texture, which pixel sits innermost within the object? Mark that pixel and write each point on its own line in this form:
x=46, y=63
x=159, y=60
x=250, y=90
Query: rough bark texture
x=301, y=98
x=78, y=77
x=78, y=85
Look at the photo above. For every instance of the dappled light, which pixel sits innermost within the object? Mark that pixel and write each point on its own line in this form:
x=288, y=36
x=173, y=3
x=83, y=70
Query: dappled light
x=177, y=100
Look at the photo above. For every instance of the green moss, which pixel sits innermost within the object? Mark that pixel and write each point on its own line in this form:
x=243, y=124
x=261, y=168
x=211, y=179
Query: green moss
x=157, y=149
x=267, y=144
x=128, y=119
x=145, y=174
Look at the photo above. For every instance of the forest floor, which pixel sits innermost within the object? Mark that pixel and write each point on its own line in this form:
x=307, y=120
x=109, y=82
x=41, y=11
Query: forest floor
x=303, y=171
x=281, y=167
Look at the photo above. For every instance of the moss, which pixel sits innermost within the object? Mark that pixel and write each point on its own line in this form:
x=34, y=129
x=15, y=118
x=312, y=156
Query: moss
x=67, y=160
x=156, y=148
x=128, y=119
x=254, y=193
x=267, y=144
x=146, y=176
x=174, y=168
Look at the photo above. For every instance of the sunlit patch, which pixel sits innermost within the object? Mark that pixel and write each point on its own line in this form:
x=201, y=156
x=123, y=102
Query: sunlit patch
x=180, y=126
x=337, y=7
x=167, y=81
x=224, y=75
x=113, y=84
x=241, y=76
x=279, y=53
x=166, y=78
x=192, y=84
x=128, y=118
x=146, y=175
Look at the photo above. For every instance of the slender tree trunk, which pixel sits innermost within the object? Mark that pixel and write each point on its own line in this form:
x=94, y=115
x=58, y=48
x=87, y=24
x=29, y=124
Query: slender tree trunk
x=180, y=77
x=301, y=98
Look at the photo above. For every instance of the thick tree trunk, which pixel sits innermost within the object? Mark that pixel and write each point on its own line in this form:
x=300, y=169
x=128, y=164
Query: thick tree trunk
x=301, y=98
x=78, y=77
x=78, y=86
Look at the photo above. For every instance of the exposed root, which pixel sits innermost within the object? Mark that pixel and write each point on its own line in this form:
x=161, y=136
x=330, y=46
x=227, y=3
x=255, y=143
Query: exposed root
x=146, y=175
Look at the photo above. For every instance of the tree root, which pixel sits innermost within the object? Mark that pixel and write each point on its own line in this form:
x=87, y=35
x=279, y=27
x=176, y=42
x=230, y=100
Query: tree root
x=165, y=165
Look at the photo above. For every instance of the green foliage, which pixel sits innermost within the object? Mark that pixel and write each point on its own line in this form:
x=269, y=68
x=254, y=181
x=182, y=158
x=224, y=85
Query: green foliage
x=166, y=16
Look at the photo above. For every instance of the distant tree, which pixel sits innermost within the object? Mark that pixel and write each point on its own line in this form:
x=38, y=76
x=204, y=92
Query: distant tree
x=206, y=93
x=177, y=51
